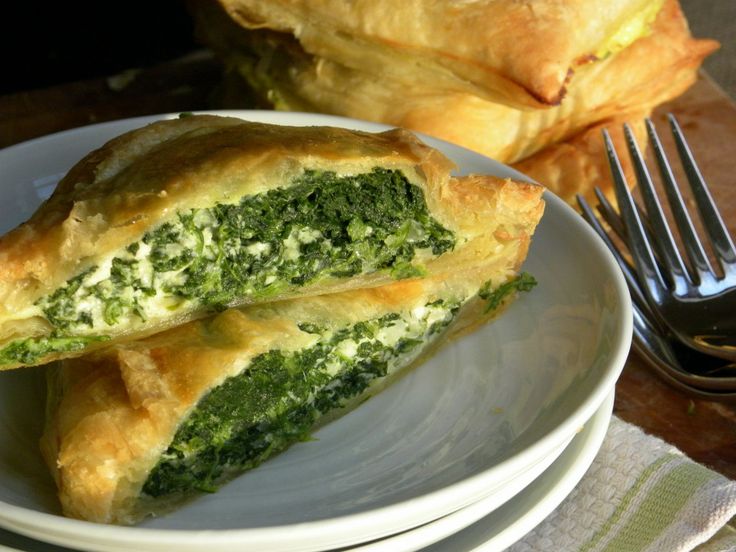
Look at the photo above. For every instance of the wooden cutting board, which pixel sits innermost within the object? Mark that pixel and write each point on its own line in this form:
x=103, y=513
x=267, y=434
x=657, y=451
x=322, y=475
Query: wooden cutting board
x=704, y=430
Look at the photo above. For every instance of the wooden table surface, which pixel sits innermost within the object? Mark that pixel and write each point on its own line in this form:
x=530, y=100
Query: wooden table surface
x=705, y=430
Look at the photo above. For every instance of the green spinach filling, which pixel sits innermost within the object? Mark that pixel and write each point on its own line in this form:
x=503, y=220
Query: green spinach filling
x=279, y=397
x=322, y=225
x=494, y=297
x=30, y=351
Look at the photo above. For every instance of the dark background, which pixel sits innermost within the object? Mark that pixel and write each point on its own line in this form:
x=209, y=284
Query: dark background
x=50, y=43
x=57, y=42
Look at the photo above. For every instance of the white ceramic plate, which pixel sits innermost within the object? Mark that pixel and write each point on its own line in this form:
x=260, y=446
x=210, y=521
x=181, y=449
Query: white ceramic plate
x=506, y=525
x=471, y=528
x=461, y=426
x=484, y=526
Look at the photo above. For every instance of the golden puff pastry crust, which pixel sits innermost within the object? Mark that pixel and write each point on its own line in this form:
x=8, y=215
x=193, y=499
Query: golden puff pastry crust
x=519, y=53
x=291, y=79
x=114, y=412
x=144, y=179
x=580, y=164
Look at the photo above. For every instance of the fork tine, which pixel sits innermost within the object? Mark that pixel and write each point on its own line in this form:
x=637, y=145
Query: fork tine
x=612, y=218
x=712, y=220
x=665, y=243
x=641, y=251
x=693, y=248
x=637, y=295
x=609, y=214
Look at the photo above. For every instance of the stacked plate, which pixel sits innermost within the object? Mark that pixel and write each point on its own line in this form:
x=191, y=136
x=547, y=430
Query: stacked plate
x=474, y=447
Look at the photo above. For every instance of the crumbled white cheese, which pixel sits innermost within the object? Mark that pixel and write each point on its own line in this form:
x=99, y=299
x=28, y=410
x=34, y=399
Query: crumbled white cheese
x=259, y=249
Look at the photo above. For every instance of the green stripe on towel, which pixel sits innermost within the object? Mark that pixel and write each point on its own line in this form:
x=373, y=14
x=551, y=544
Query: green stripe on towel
x=670, y=491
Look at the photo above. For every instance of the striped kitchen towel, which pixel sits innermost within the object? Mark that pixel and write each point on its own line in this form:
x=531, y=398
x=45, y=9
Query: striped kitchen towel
x=640, y=494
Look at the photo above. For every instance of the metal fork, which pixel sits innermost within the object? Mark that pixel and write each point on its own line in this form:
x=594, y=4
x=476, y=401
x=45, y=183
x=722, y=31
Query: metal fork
x=700, y=375
x=698, y=305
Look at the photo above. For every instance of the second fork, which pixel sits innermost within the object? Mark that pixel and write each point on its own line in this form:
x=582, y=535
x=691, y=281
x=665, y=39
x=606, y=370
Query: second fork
x=698, y=305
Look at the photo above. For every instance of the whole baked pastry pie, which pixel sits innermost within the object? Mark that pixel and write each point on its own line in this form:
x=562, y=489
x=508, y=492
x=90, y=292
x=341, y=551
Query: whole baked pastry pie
x=522, y=54
x=558, y=145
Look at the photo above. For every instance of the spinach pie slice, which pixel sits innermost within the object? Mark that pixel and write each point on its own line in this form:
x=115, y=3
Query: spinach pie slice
x=187, y=217
x=135, y=429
